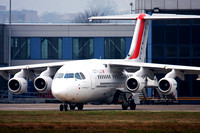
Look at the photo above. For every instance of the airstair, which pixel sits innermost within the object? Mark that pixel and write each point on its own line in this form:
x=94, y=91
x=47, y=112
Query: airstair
x=157, y=96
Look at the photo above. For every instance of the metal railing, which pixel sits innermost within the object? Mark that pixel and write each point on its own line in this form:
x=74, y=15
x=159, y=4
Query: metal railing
x=3, y=94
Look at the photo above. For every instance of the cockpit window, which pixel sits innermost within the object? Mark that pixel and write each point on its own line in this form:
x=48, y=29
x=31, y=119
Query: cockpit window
x=82, y=75
x=59, y=75
x=69, y=75
x=77, y=76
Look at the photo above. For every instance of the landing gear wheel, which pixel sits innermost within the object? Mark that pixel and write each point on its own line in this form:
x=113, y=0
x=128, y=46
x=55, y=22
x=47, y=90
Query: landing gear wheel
x=80, y=106
x=132, y=105
x=124, y=107
x=61, y=107
x=65, y=107
x=72, y=106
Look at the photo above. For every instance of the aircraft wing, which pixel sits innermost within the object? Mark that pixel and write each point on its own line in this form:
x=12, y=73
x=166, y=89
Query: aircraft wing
x=35, y=68
x=156, y=68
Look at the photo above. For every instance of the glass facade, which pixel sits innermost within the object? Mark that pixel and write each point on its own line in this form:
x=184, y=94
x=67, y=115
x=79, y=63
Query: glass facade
x=83, y=48
x=20, y=48
x=70, y=48
x=177, y=42
x=115, y=48
x=51, y=48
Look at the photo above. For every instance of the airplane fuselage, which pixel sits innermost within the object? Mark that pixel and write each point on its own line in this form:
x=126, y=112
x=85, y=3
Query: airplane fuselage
x=87, y=81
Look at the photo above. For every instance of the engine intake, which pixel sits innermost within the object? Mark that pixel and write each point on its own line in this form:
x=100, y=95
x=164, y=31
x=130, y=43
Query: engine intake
x=17, y=85
x=135, y=84
x=43, y=84
x=167, y=85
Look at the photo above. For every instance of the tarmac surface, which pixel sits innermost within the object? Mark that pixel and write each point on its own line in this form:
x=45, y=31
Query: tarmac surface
x=89, y=107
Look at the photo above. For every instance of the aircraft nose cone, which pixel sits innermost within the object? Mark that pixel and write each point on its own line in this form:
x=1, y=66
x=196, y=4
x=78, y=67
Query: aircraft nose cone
x=58, y=90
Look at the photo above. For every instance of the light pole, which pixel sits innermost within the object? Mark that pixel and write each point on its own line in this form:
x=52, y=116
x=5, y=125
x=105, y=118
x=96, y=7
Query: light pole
x=10, y=95
x=131, y=5
x=9, y=38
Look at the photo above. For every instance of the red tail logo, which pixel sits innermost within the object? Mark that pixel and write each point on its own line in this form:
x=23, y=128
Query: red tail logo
x=139, y=40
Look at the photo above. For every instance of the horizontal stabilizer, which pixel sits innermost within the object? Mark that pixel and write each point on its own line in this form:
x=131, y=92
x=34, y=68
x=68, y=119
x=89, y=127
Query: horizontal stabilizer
x=147, y=17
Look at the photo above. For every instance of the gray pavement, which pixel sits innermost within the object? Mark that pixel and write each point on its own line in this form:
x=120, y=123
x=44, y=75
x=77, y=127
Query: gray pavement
x=89, y=107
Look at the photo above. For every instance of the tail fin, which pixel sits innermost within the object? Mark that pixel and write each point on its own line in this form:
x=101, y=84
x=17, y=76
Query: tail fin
x=137, y=50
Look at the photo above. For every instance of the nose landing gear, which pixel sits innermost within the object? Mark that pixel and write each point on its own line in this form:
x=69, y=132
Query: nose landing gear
x=64, y=107
x=72, y=106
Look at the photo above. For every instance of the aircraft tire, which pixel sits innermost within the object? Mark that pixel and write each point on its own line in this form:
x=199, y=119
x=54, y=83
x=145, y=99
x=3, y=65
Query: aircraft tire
x=80, y=106
x=65, y=107
x=132, y=105
x=124, y=107
x=61, y=107
x=72, y=106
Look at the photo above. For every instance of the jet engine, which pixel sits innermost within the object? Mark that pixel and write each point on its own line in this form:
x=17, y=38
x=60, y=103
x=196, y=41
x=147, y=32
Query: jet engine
x=167, y=85
x=43, y=84
x=135, y=84
x=17, y=85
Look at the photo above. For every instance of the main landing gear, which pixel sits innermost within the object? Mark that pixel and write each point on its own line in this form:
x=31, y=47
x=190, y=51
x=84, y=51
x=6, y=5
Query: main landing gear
x=72, y=106
x=126, y=98
x=128, y=103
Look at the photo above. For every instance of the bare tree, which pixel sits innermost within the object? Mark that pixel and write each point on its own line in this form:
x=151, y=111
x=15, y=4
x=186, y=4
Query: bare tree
x=99, y=8
x=83, y=17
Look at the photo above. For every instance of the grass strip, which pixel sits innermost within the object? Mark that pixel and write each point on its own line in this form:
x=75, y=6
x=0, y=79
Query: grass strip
x=99, y=121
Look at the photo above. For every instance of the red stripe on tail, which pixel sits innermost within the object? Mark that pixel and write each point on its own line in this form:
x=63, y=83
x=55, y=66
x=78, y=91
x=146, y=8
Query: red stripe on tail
x=139, y=40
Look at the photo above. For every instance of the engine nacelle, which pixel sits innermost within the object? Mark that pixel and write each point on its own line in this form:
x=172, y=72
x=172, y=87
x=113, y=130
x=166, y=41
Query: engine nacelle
x=135, y=84
x=167, y=85
x=17, y=85
x=43, y=84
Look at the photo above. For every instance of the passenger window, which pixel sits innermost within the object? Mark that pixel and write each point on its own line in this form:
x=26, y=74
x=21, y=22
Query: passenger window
x=77, y=76
x=82, y=75
x=69, y=75
x=59, y=75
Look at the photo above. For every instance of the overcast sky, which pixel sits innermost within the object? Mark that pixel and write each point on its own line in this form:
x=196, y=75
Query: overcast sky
x=63, y=6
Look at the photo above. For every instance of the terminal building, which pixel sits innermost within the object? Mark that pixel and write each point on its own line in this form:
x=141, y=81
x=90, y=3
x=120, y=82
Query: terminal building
x=170, y=42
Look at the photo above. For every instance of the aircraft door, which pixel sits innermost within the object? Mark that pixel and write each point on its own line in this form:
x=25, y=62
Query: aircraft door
x=92, y=80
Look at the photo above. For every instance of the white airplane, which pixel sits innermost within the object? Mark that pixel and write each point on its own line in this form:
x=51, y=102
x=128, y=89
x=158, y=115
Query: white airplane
x=99, y=80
